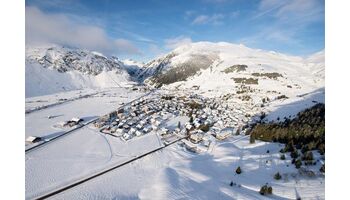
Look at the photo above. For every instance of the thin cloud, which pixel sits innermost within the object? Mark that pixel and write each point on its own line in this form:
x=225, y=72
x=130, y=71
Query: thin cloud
x=234, y=14
x=43, y=28
x=189, y=14
x=308, y=11
x=214, y=19
x=126, y=46
x=291, y=10
x=173, y=43
x=286, y=19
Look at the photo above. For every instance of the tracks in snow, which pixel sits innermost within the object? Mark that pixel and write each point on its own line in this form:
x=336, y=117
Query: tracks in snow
x=98, y=174
x=28, y=111
x=77, y=128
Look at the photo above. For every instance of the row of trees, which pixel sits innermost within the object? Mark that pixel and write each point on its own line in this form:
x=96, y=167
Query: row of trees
x=305, y=132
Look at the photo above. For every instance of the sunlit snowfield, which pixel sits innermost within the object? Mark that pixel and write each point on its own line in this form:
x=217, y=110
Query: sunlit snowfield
x=175, y=173
x=172, y=173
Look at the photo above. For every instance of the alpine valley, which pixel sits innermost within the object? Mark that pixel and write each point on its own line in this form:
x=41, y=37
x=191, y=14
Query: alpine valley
x=204, y=121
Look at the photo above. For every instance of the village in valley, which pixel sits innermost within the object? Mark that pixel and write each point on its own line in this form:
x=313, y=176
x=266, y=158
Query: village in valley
x=209, y=99
x=198, y=120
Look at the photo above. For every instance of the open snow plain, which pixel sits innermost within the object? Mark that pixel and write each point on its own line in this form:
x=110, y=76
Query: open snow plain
x=102, y=102
x=170, y=173
x=175, y=173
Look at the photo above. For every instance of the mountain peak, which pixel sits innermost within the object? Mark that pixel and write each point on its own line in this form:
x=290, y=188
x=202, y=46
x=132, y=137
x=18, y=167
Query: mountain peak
x=65, y=59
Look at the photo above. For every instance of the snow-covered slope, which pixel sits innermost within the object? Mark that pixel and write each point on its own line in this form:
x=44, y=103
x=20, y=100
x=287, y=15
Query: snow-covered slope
x=316, y=63
x=240, y=74
x=208, y=59
x=56, y=69
x=133, y=67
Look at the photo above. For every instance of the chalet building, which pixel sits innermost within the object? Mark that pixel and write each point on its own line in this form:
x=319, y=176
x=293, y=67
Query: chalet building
x=119, y=132
x=126, y=127
x=74, y=121
x=33, y=139
x=146, y=130
x=188, y=126
x=164, y=131
x=223, y=134
x=196, y=138
x=139, y=126
x=126, y=136
x=113, y=129
x=121, y=110
x=138, y=133
x=154, y=127
x=112, y=115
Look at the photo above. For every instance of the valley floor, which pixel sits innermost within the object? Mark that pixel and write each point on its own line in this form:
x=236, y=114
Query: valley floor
x=45, y=123
x=173, y=172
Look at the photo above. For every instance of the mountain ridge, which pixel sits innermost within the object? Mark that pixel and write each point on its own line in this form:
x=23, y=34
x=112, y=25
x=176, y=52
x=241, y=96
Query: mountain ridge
x=203, y=64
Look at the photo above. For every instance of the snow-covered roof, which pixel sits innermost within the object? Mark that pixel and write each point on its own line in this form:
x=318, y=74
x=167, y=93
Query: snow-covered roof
x=76, y=119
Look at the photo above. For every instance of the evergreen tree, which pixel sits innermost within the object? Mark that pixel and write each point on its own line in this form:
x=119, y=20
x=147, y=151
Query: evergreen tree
x=294, y=154
x=322, y=169
x=252, y=138
x=308, y=156
x=298, y=163
x=237, y=132
x=283, y=157
x=277, y=176
x=238, y=170
x=265, y=190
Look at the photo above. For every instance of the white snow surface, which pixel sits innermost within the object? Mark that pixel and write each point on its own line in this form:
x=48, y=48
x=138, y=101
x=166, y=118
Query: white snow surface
x=49, y=70
x=172, y=173
x=43, y=81
x=303, y=74
x=177, y=174
x=79, y=155
x=38, y=123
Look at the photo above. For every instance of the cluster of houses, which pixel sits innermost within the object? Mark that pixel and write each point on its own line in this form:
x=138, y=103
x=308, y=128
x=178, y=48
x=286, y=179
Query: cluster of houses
x=70, y=123
x=134, y=120
x=208, y=118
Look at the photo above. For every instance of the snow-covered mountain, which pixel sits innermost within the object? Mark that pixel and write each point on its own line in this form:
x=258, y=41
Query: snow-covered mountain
x=56, y=69
x=133, y=67
x=209, y=68
x=65, y=59
x=219, y=56
x=226, y=66
x=316, y=63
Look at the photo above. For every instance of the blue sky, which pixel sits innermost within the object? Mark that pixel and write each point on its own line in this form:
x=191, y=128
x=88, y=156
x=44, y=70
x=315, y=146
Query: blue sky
x=143, y=29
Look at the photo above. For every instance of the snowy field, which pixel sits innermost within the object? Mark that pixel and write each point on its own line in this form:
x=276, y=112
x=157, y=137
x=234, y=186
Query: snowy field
x=78, y=155
x=242, y=84
x=33, y=103
x=170, y=173
x=38, y=123
x=175, y=173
